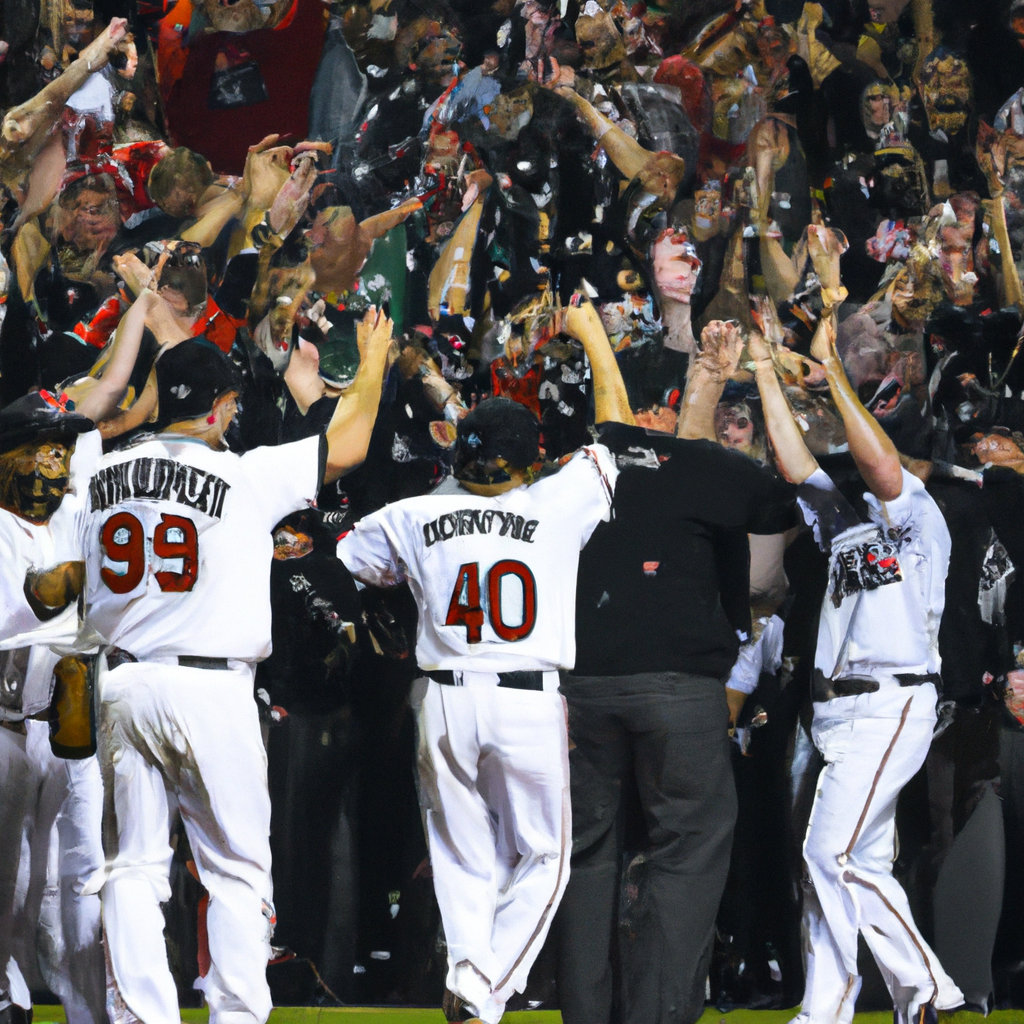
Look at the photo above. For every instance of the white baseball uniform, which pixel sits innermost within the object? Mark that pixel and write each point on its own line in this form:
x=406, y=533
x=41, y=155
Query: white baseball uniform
x=495, y=582
x=178, y=547
x=49, y=805
x=877, y=642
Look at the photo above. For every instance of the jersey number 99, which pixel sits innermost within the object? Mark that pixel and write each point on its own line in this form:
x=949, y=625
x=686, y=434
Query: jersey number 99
x=124, y=540
x=465, y=608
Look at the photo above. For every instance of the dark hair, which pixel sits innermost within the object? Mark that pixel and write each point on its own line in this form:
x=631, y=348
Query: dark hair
x=180, y=167
x=185, y=272
x=654, y=376
x=499, y=428
x=189, y=378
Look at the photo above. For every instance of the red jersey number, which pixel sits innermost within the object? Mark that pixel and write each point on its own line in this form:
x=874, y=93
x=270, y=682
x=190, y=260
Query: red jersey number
x=124, y=540
x=465, y=608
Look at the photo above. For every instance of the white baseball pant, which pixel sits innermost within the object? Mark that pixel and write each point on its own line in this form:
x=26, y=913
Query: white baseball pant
x=191, y=736
x=873, y=744
x=494, y=788
x=53, y=931
x=17, y=781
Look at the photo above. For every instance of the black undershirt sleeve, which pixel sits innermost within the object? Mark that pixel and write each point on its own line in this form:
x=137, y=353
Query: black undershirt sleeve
x=323, y=460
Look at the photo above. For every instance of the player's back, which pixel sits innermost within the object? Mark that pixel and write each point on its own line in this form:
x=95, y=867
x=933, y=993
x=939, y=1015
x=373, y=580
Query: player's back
x=178, y=545
x=494, y=578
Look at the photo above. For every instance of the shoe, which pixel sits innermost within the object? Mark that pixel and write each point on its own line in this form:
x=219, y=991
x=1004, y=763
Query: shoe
x=455, y=1010
x=926, y=1014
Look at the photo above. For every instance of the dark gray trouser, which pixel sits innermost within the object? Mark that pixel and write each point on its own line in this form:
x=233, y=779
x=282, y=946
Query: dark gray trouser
x=667, y=731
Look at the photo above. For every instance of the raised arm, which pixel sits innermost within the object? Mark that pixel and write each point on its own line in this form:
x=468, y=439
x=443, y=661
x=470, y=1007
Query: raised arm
x=795, y=462
x=97, y=397
x=580, y=320
x=871, y=448
x=348, y=433
x=27, y=125
x=659, y=173
x=720, y=346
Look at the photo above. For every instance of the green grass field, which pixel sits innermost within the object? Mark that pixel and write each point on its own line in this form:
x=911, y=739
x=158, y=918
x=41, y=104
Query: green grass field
x=390, y=1015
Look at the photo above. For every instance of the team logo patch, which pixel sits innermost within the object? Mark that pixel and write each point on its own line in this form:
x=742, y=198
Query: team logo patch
x=864, y=560
x=644, y=458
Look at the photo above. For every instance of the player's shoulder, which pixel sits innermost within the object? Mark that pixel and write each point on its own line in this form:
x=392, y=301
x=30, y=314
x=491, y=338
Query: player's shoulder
x=16, y=534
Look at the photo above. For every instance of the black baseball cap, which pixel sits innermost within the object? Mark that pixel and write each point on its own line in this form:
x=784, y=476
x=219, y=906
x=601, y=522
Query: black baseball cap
x=498, y=428
x=189, y=378
x=40, y=414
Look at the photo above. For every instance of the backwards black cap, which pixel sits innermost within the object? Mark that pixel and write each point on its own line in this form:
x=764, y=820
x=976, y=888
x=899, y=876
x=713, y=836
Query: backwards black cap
x=39, y=414
x=189, y=378
x=498, y=428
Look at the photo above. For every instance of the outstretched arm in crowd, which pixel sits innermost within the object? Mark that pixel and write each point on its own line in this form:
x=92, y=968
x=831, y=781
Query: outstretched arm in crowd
x=27, y=128
x=658, y=173
x=720, y=346
x=97, y=396
x=871, y=448
x=348, y=433
x=791, y=455
x=580, y=320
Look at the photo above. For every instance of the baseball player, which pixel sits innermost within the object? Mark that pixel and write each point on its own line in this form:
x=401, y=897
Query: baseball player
x=492, y=565
x=48, y=448
x=874, y=691
x=177, y=541
x=38, y=438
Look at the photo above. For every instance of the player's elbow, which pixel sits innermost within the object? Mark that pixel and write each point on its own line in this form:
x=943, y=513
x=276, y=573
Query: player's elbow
x=884, y=478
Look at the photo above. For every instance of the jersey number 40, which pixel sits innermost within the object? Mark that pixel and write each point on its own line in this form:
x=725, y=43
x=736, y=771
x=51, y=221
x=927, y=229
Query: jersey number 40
x=124, y=540
x=465, y=608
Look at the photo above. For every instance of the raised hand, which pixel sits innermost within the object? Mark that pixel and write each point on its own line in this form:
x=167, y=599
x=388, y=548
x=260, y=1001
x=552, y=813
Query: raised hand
x=293, y=197
x=135, y=274
x=267, y=168
x=373, y=333
x=580, y=319
x=825, y=246
x=721, y=345
x=98, y=52
x=759, y=349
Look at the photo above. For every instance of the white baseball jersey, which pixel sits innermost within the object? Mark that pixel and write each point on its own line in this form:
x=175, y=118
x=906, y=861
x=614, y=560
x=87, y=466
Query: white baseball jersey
x=494, y=578
x=177, y=543
x=887, y=589
x=27, y=675
x=25, y=545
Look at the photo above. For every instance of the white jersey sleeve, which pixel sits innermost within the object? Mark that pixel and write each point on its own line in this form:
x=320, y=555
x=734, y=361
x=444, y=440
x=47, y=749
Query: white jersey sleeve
x=369, y=552
x=587, y=487
x=286, y=477
x=66, y=525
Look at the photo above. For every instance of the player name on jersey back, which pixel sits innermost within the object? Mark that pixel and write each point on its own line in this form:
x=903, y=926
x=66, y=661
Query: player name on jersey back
x=155, y=479
x=494, y=578
x=467, y=521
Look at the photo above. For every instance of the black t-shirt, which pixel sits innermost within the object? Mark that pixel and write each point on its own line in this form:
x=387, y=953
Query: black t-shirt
x=313, y=598
x=664, y=585
x=968, y=645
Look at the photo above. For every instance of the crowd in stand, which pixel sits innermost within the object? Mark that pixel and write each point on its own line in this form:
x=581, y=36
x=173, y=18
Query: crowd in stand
x=830, y=194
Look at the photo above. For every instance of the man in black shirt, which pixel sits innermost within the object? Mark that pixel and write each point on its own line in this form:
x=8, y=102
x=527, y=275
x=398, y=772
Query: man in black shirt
x=662, y=602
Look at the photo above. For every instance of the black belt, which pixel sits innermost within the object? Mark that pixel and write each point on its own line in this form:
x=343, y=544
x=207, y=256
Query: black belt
x=823, y=688
x=116, y=656
x=528, y=680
